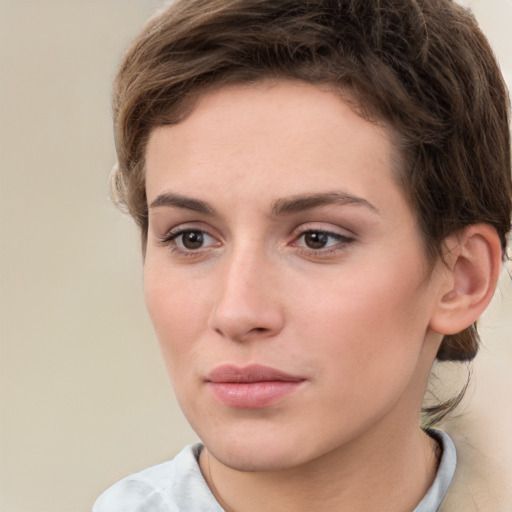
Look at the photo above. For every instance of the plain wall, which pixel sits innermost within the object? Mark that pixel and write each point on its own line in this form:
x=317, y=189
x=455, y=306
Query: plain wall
x=84, y=398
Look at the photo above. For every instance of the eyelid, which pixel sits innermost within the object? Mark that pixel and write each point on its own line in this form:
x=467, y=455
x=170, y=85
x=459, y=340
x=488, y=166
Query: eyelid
x=183, y=227
x=343, y=238
x=324, y=227
x=168, y=239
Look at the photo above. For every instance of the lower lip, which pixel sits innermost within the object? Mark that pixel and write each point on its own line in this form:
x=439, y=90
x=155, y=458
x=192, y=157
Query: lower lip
x=252, y=395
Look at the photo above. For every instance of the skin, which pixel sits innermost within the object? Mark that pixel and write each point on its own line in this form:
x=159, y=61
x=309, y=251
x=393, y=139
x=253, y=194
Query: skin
x=352, y=319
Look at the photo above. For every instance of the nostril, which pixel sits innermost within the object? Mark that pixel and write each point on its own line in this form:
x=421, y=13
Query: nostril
x=242, y=334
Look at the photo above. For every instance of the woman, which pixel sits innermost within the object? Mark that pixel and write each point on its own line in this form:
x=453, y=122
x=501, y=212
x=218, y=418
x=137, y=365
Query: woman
x=324, y=195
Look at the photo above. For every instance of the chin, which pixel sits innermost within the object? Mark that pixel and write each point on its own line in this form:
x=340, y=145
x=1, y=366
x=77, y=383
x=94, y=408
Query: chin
x=263, y=449
x=241, y=457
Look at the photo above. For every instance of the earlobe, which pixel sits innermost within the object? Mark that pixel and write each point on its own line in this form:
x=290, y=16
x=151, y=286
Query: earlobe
x=472, y=270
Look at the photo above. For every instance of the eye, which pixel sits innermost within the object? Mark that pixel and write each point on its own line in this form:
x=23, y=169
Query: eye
x=189, y=240
x=317, y=240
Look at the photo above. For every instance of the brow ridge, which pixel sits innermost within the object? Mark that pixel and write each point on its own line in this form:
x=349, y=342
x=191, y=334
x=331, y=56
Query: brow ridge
x=300, y=203
x=280, y=207
x=183, y=202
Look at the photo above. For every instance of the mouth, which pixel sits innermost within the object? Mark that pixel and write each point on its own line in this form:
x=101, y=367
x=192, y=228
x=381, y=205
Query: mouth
x=251, y=387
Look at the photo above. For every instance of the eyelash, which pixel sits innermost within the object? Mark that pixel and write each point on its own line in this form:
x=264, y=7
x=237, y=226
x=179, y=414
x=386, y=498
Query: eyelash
x=170, y=240
x=341, y=242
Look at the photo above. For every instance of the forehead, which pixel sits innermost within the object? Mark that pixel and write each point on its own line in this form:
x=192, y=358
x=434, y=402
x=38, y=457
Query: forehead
x=284, y=127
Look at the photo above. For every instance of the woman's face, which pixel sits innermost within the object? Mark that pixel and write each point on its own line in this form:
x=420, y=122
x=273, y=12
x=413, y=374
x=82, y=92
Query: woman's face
x=285, y=276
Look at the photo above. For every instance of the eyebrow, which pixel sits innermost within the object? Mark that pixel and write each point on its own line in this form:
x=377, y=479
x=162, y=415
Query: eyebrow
x=280, y=207
x=300, y=203
x=184, y=202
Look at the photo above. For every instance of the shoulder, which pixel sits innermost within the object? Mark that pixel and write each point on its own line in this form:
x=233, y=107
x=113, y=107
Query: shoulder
x=478, y=484
x=174, y=485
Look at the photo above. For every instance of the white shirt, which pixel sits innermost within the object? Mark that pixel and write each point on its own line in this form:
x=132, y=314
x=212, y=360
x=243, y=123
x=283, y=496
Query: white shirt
x=178, y=485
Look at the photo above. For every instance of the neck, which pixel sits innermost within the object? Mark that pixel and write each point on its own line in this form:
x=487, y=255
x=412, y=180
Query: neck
x=367, y=474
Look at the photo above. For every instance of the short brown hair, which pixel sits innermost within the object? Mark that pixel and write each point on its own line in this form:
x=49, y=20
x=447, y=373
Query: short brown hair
x=422, y=66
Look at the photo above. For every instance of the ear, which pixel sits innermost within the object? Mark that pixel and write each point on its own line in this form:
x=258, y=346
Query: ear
x=472, y=268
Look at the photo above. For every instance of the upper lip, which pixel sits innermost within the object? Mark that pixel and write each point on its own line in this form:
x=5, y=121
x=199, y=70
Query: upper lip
x=248, y=374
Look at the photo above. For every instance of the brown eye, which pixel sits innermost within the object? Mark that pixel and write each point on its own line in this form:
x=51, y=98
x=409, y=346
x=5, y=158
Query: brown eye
x=319, y=241
x=188, y=241
x=316, y=239
x=192, y=239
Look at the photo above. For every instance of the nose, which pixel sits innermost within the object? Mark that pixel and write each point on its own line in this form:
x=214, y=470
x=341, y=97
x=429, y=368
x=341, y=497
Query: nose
x=247, y=305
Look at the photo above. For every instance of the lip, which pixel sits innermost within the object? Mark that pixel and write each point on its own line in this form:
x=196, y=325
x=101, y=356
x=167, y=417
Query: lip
x=251, y=387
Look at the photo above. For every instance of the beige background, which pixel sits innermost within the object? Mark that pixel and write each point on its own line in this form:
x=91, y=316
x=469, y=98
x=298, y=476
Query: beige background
x=84, y=396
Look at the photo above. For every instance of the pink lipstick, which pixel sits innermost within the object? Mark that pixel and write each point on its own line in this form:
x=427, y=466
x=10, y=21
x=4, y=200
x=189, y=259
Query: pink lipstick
x=251, y=387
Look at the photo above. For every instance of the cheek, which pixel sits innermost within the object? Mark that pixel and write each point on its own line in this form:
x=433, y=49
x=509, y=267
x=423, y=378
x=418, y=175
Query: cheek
x=366, y=352
x=364, y=317
x=176, y=318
